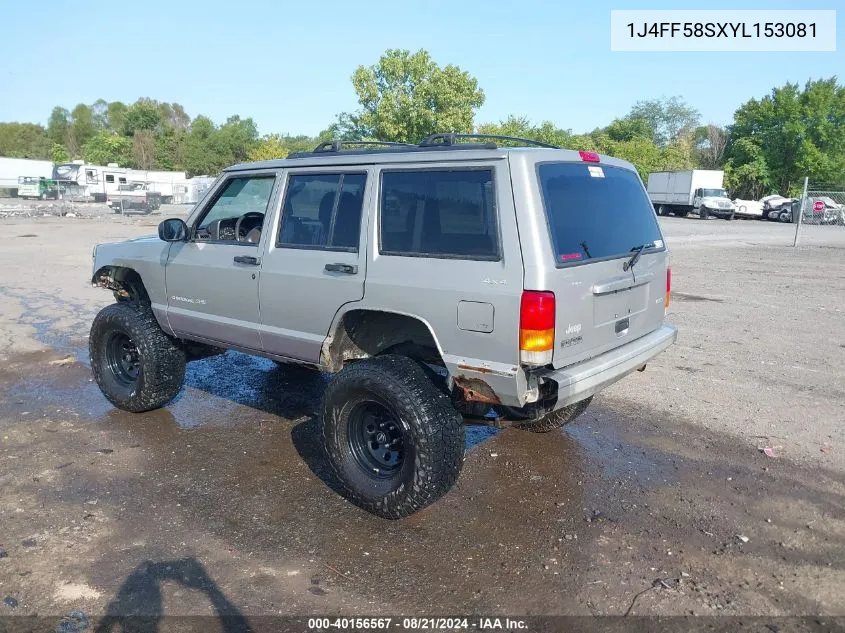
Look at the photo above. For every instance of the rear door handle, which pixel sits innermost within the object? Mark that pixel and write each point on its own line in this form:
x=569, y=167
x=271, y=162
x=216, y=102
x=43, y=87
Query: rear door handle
x=349, y=269
x=247, y=259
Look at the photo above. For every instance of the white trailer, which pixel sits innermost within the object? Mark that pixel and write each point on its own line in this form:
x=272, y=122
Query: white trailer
x=696, y=190
x=172, y=185
x=99, y=182
x=12, y=169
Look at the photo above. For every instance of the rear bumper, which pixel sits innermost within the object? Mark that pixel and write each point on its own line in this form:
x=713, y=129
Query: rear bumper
x=585, y=379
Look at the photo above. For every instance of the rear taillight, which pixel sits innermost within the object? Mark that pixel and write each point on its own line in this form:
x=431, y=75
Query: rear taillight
x=668, y=287
x=536, y=327
x=590, y=157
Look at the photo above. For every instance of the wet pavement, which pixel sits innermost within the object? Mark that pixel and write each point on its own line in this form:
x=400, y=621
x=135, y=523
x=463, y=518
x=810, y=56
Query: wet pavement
x=627, y=511
x=659, y=500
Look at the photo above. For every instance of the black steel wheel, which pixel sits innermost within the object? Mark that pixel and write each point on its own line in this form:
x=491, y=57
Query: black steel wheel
x=136, y=365
x=376, y=439
x=393, y=438
x=122, y=358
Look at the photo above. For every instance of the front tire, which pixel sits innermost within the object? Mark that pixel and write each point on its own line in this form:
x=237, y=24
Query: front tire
x=703, y=213
x=394, y=440
x=555, y=419
x=136, y=365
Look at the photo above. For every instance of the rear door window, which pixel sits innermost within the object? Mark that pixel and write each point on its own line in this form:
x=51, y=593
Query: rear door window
x=439, y=213
x=323, y=211
x=596, y=211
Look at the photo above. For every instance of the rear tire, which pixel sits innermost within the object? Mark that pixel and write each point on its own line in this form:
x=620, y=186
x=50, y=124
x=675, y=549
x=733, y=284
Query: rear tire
x=555, y=419
x=394, y=440
x=136, y=365
x=661, y=210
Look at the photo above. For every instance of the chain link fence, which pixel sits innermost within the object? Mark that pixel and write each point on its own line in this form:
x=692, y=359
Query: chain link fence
x=821, y=220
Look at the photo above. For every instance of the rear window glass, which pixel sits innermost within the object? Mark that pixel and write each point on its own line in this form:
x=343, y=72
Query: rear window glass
x=596, y=211
x=439, y=213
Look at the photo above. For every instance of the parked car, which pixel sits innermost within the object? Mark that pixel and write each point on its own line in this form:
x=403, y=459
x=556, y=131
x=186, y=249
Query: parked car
x=831, y=212
x=523, y=280
x=751, y=209
x=134, y=196
x=777, y=207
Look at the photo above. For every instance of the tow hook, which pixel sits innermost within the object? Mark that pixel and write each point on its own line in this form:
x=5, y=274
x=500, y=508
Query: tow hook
x=641, y=368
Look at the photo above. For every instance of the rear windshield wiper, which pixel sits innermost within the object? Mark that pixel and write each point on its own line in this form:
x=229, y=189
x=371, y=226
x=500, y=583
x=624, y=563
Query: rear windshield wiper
x=639, y=251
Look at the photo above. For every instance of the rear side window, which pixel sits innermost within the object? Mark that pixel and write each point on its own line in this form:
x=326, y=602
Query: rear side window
x=439, y=213
x=323, y=211
x=596, y=211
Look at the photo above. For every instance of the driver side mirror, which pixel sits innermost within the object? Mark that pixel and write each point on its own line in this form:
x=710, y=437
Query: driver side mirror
x=173, y=230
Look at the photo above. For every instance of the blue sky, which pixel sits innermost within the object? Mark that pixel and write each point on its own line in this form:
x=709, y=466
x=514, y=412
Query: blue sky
x=288, y=64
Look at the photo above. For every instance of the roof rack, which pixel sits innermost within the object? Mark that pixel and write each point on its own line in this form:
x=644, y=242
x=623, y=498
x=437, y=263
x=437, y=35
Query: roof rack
x=337, y=145
x=434, y=142
x=451, y=139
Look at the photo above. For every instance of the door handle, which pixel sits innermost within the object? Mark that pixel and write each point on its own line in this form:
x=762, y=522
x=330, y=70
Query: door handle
x=349, y=269
x=247, y=259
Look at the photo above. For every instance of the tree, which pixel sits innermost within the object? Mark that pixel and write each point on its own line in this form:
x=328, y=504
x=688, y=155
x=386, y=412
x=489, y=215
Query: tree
x=665, y=117
x=116, y=116
x=82, y=127
x=205, y=154
x=711, y=141
x=789, y=134
x=237, y=137
x=143, y=149
x=144, y=114
x=58, y=125
x=24, y=140
x=629, y=128
x=405, y=97
x=279, y=146
x=59, y=153
x=105, y=148
x=170, y=149
x=520, y=126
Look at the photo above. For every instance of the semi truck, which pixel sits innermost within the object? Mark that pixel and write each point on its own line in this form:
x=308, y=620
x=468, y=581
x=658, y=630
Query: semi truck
x=696, y=191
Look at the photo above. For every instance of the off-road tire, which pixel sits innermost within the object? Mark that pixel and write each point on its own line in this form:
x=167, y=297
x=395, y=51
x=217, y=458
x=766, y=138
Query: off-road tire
x=432, y=435
x=161, y=372
x=555, y=419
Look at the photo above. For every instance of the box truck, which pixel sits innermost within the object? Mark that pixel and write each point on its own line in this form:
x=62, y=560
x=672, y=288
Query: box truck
x=697, y=190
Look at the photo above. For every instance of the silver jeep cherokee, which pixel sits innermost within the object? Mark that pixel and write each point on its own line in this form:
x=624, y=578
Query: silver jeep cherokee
x=437, y=282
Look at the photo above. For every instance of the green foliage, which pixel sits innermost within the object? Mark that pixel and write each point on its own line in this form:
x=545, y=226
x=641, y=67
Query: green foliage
x=105, y=148
x=407, y=96
x=789, y=134
x=279, y=146
x=58, y=125
x=144, y=114
x=520, y=126
x=24, y=140
x=665, y=117
x=59, y=153
x=771, y=145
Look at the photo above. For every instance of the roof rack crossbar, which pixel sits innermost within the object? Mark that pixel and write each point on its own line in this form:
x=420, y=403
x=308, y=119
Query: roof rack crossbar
x=452, y=138
x=338, y=144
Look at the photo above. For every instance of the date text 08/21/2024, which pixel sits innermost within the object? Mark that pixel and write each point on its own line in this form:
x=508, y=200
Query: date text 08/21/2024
x=417, y=624
x=734, y=30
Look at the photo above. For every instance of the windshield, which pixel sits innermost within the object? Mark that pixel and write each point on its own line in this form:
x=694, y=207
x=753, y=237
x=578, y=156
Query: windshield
x=714, y=193
x=596, y=211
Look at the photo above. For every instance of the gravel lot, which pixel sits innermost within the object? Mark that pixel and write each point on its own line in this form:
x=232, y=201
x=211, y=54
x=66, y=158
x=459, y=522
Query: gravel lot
x=658, y=501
